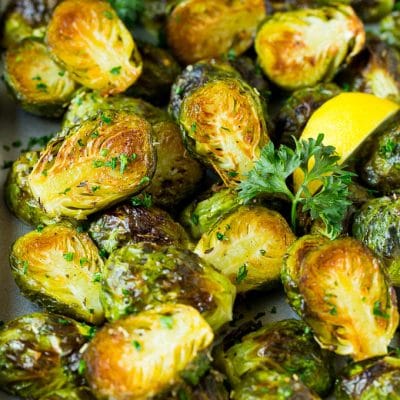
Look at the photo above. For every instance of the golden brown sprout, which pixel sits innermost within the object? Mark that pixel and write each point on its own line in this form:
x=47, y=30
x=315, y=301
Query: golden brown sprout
x=248, y=246
x=140, y=356
x=201, y=29
x=94, y=165
x=91, y=42
x=303, y=47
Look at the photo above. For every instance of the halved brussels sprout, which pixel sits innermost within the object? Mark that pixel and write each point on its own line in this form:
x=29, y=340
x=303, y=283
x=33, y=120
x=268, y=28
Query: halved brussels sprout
x=143, y=275
x=297, y=109
x=203, y=29
x=287, y=345
x=378, y=378
x=248, y=246
x=25, y=18
x=39, y=354
x=39, y=85
x=18, y=194
x=177, y=174
x=94, y=165
x=339, y=288
x=390, y=29
x=372, y=10
x=200, y=215
x=126, y=224
x=140, y=356
x=91, y=42
x=60, y=269
x=221, y=118
x=377, y=225
x=303, y=47
x=272, y=385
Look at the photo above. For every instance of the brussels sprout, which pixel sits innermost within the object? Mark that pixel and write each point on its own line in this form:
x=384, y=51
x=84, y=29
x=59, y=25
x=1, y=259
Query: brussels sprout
x=221, y=118
x=140, y=356
x=91, y=42
x=140, y=276
x=39, y=85
x=39, y=354
x=297, y=109
x=200, y=215
x=203, y=29
x=338, y=287
x=159, y=72
x=18, y=194
x=126, y=224
x=26, y=18
x=248, y=246
x=390, y=29
x=287, y=344
x=377, y=225
x=69, y=394
x=59, y=268
x=379, y=164
x=303, y=47
x=94, y=165
x=372, y=10
x=177, y=174
x=372, y=379
x=272, y=385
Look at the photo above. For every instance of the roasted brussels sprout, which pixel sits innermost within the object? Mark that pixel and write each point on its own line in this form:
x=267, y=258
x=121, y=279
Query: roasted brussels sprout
x=177, y=174
x=143, y=275
x=339, y=288
x=60, y=269
x=140, y=356
x=94, y=165
x=221, y=118
x=377, y=225
x=69, y=394
x=203, y=29
x=39, y=354
x=390, y=29
x=200, y=215
x=126, y=224
x=248, y=246
x=272, y=385
x=91, y=42
x=303, y=47
x=286, y=344
x=297, y=109
x=372, y=10
x=372, y=379
x=39, y=85
x=159, y=72
x=26, y=18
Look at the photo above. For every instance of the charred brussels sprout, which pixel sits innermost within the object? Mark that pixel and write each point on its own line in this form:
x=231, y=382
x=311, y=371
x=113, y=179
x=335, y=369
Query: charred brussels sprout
x=303, y=47
x=200, y=215
x=39, y=85
x=203, y=29
x=177, y=174
x=390, y=29
x=94, y=165
x=377, y=225
x=39, y=354
x=60, y=269
x=372, y=10
x=287, y=344
x=339, y=289
x=26, y=18
x=141, y=356
x=18, y=194
x=91, y=42
x=132, y=224
x=143, y=275
x=297, y=109
x=248, y=246
x=272, y=385
x=372, y=379
x=221, y=118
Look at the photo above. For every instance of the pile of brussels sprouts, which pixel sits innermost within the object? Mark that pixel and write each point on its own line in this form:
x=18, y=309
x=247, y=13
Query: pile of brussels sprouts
x=140, y=241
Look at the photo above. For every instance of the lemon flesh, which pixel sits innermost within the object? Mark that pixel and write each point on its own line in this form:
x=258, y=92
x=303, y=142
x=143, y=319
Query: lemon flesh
x=346, y=121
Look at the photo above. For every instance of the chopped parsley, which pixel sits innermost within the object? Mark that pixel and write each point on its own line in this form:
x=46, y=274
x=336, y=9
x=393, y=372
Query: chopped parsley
x=68, y=256
x=377, y=310
x=115, y=70
x=167, y=321
x=144, y=200
x=136, y=345
x=242, y=274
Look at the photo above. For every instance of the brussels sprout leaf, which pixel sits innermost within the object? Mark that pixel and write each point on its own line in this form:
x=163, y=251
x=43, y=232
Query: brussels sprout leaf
x=270, y=173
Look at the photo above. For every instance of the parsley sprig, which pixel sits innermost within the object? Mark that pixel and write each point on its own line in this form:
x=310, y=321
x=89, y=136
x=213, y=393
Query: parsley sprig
x=271, y=172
